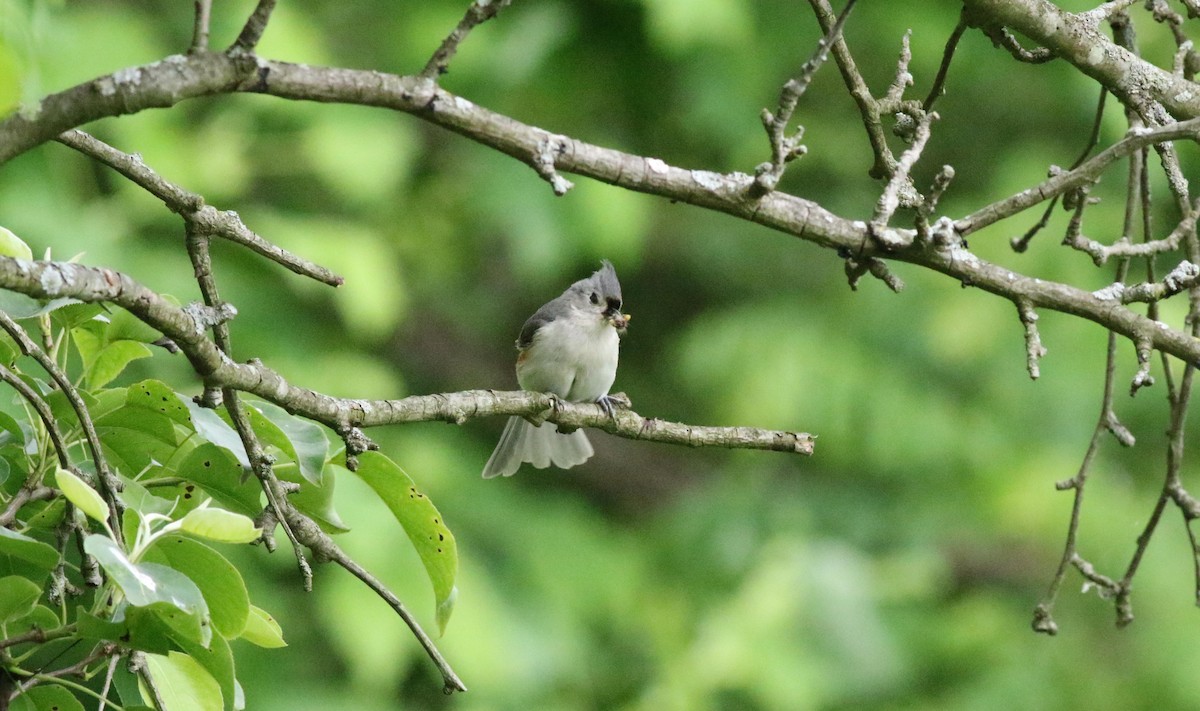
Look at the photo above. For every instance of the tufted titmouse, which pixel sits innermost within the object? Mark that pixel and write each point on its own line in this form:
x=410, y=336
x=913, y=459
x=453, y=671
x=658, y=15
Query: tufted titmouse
x=568, y=348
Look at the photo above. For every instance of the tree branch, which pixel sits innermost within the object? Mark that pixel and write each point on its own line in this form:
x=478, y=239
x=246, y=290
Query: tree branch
x=1076, y=37
x=223, y=223
x=186, y=328
x=726, y=193
x=479, y=12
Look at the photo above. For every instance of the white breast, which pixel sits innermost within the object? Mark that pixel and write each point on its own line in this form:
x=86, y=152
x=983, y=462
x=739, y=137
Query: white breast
x=573, y=357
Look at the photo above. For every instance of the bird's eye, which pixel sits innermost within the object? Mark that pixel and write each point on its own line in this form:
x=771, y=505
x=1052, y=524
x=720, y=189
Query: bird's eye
x=595, y=298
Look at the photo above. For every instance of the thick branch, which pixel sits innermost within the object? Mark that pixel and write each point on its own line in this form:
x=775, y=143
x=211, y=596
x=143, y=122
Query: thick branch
x=1077, y=38
x=728, y=193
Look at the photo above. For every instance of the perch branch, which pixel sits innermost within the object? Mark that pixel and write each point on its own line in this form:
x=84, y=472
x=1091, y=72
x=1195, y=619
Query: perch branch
x=41, y=279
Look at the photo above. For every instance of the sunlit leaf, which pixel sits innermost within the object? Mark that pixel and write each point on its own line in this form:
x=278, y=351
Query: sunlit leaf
x=85, y=498
x=148, y=583
x=421, y=521
x=262, y=630
x=183, y=683
x=13, y=246
x=220, y=525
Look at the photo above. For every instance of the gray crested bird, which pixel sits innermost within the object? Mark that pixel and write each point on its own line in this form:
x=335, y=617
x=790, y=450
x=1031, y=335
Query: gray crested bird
x=568, y=348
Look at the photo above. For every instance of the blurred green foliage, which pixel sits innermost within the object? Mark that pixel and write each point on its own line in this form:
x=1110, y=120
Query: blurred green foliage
x=897, y=568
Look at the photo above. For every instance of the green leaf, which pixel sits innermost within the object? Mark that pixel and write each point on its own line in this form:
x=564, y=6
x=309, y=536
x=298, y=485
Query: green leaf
x=13, y=246
x=145, y=584
x=215, y=657
x=215, y=469
x=19, y=306
x=8, y=350
x=112, y=360
x=306, y=442
x=85, y=498
x=18, y=596
x=51, y=697
x=88, y=344
x=262, y=629
x=10, y=430
x=138, y=498
x=73, y=314
x=183, y=683
x=316, y=501
x=64, y=411
x=41, y=617
x=157, y=396
x=219, y=581
x=421, y=521
x=124, y=326
x=220, y=525
x=211, y=427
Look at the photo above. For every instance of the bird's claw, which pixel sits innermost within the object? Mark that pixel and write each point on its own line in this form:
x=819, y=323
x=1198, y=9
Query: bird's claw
x=611, y=403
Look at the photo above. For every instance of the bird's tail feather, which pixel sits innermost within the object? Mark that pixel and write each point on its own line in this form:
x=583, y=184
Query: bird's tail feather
x=541, y=446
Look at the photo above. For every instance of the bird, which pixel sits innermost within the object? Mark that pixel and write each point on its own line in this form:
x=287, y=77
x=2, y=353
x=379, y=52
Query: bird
x=568, y=348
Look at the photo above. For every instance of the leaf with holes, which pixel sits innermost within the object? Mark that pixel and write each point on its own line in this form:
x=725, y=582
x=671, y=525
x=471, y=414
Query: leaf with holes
x=158, y=396
x=421, y=521
x=216, y=470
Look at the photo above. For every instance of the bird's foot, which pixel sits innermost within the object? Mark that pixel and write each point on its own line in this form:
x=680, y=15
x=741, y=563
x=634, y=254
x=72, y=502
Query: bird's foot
x=611, y=403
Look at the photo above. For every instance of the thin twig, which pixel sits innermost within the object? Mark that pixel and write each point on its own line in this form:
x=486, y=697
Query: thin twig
x=255, y=25
x=1020, y=244
x=939, y=82
x=478, y=12
x=899, y=189
x=191, y=206
x=1086, y=173
x=108, y=483
x=44, y=412
x=1033, y=340
x=201, y=25
x=1005, y=39
x=330, y=550
x=868, y=106
x=786, y=148
x=260, y=463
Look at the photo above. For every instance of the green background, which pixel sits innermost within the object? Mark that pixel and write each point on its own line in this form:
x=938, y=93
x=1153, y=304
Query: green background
x=897, y=568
